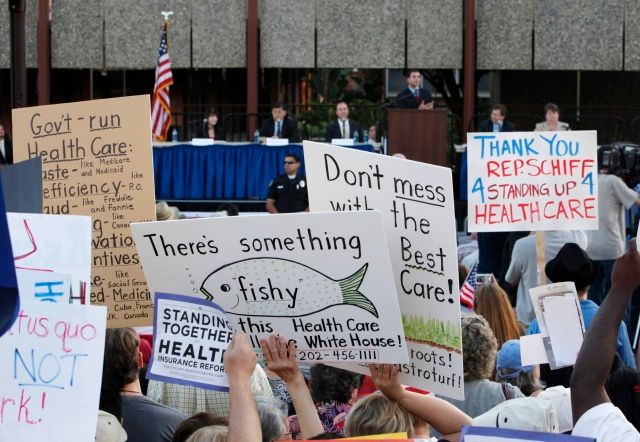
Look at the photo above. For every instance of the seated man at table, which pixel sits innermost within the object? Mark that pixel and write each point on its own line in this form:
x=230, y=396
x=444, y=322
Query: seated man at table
x=414, y=97
x=496, y=122
x=288, y=192
x=281, y=124
x=343, y=127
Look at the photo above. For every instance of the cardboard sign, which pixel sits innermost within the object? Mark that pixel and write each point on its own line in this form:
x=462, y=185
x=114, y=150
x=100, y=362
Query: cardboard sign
x=416, y=202
x=54, y=243
x=486, y=434
x=532, y=181
x=50, y=384
x=40, y=286
x=323, y=280
x=190, y=338
x=9, y=299
x=22, y=184
x=97, y=160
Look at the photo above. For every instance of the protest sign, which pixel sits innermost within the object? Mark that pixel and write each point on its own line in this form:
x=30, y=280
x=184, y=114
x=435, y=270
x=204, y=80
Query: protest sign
x=532, y=181
x=416, y=201
x=9, y=299
x=54, y=243
x=561, y=323
x=22, y=183
x=97, y=160
x=486, y=434
x=40, y=286
x=323, y=280
x=50, y=386
x=190, y=338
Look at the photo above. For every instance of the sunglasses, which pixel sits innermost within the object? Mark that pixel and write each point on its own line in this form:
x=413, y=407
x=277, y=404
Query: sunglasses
x=289, y=162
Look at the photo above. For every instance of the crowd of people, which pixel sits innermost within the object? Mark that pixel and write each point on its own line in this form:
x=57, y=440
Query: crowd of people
x=599, y=397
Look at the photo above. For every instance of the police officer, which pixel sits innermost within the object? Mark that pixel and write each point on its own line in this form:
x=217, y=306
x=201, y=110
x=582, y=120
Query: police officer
x=288, y=192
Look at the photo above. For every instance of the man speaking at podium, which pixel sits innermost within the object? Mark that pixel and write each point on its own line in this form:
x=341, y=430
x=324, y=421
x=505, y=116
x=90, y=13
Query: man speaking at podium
x=414, y=97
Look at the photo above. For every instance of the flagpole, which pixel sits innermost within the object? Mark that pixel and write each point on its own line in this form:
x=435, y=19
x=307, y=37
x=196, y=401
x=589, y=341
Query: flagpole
x=160, y=104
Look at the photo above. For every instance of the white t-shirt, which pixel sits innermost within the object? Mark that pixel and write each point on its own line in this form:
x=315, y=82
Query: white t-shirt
x=523, y=270
x=614, y=196
x=606, y=423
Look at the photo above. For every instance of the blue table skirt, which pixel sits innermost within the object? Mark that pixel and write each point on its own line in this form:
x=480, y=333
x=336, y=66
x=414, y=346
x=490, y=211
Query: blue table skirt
x=186, y=172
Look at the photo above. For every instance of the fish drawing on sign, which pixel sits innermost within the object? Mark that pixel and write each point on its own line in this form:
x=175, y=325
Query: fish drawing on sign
x=278, y=287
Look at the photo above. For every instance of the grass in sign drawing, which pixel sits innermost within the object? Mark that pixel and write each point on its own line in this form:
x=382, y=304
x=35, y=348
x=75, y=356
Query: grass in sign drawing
x=432, y=331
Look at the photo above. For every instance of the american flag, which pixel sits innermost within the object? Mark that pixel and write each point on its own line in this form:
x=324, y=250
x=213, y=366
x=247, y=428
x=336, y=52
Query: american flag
x=468, y=289
x=160, y=104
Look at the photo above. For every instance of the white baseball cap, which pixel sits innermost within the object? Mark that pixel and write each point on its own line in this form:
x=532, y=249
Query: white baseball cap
x=521, y=414
x=109, y=429
x=560, y=398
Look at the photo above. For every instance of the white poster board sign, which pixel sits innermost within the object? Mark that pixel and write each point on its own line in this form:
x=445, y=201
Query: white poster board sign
x=416, y=202
x=323, y=280
x=532, y=181
x=190, y=338
x=52, y=372
x=40, y=286
x=54, y=243
x=560, y=320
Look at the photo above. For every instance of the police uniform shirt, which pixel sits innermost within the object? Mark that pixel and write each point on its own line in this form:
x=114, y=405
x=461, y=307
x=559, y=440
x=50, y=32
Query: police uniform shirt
x=290, y=193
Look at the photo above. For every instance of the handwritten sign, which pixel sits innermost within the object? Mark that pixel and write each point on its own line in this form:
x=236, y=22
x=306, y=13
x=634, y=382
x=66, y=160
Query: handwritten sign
x=41, y=286
x=96, y=160
x=190, y=338
x=323, y=280
x=416, y=202
x=532, y=181
x=50, y=383
x=53, y=243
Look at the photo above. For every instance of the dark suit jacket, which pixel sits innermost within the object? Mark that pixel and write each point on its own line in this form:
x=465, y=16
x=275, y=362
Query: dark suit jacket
x=487, y=126
x=289, y=129
x=203, y=131
x=406, y=100
x=8, y=148
x=334, y=130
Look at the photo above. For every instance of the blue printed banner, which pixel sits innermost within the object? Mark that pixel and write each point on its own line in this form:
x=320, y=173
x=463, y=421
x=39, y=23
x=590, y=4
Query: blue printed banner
x=485, y=434
x=190, y=338
x=532, y=181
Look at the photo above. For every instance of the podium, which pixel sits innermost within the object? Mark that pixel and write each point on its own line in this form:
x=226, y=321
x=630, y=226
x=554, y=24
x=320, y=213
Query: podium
x=421, y=135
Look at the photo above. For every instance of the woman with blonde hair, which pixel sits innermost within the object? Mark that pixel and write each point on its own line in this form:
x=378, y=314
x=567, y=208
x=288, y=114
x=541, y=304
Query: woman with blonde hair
x=492, y=303
x=214, y=433
x=376, y=414
x=395, y=409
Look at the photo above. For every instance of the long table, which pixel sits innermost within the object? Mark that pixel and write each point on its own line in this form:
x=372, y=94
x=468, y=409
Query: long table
x=221, y=171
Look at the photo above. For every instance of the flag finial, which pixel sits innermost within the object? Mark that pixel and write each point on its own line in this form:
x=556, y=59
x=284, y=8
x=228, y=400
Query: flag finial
x=166, y=15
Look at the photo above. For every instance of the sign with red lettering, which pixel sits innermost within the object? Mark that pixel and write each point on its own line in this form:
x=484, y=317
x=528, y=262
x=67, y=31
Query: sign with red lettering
x=51, y=375
x=532, y=181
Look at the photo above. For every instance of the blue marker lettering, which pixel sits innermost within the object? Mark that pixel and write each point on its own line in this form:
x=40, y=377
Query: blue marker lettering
x=478, y=187
x=49, y=295
x=588, y=180
x=482, y=138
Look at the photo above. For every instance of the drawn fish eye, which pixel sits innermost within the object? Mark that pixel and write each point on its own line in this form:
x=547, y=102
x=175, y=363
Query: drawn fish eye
x=225, y=288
